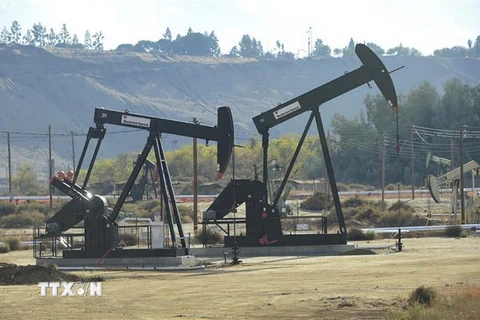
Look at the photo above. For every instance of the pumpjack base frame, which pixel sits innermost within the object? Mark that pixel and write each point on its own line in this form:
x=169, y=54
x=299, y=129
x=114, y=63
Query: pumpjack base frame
x=127, y=253
x=123, y=259
x=287, y=240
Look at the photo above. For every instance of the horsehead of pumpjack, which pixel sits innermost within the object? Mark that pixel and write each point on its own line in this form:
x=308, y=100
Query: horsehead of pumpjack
x=379, y=74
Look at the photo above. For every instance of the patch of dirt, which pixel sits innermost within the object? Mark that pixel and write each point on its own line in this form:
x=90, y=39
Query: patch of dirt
x=11, y=274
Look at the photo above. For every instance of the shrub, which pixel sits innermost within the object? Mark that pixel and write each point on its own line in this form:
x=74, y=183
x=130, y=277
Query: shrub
x=185, y=211
x=22, y=220
x=52, y=267
x=354, y=234
x=422, y=295
x=368, y=214
x=7, y=208
x=127, y=239
x=186, y=219
x=4, y=248
x=209, y=236
x=343, y=187
x=34, y=207
x=453, y=231
x=96, y=279
x=458, y=304
x=400, y=205
x=353, y=202
x=398, y=218
x=317, y=202
x=13, y=243
x=150, y=205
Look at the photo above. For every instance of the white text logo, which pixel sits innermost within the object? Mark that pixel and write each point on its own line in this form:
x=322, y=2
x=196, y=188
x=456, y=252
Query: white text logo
x=72, y=289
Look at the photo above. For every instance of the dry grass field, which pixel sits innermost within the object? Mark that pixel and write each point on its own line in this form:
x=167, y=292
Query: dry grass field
x=334, y=287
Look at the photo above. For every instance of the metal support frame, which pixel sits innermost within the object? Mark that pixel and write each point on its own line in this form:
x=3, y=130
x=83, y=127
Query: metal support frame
x=331, y=176
x=168, y=193
x=265, y=166
x=292, y=161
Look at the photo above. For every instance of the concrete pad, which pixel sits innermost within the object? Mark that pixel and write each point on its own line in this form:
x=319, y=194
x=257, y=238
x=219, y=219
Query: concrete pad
x=124, y=263
x=322, y=250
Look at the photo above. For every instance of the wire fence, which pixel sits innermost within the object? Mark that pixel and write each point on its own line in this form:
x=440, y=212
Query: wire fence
x=45, y=151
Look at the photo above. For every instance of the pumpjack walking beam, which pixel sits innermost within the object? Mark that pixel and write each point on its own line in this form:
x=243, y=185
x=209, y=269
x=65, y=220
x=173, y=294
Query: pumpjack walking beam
x=372, y=69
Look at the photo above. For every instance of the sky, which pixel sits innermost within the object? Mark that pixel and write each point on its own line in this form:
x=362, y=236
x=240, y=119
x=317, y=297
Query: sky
x=423, y=24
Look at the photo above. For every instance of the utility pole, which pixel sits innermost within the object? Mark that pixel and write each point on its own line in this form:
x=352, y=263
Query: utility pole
x=451, y=153
x=325, y=185
x=462, y=196
x=195, y=183
x=325, y=177
x=309, y=41
x=413, y=166
x=9, y=165
x=383, y=174
x=73, y=152
x=50, y=165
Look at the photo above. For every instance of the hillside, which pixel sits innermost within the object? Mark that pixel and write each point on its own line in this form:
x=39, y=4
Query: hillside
x=61, y=87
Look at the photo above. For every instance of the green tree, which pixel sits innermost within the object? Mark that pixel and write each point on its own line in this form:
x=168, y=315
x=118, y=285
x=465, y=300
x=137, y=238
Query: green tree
x=354, y=145
x=24, y=181
x=113, y=170
x=16, y=32
x=321, y=49
x=75, y=43
x=454, y=52
x=400, y=50
x=28, y=39
x=39, y=34
x=165, y=46
x=145, y=46
x=280, y=47
x=250, y=47
x=194, y=44
x=379, y=113
x=214, y=48
x=421, y=103
x=64, y=38
x=5, y=36
x=88, y=40
x=375, y=48
x=476, y=47
x=456, y=107
x=234, y=52
x=281, y=53
x=97, y=43
x=167, y=35
x=52, y=38
x=349, y=50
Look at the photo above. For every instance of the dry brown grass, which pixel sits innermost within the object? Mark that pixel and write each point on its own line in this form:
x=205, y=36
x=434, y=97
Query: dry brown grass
x=455, y=303
x=346, y=287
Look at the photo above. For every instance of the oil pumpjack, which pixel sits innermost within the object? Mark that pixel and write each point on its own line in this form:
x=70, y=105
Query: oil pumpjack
x=100, y=235
x=263, y=219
